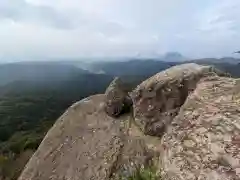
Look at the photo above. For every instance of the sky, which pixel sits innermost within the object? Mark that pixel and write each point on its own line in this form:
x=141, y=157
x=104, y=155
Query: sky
x=65, y=29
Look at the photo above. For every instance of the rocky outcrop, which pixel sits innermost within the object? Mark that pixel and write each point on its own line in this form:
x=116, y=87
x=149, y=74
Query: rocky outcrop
x=116, y=98
x=193, y=113
x=157, y=100
x=203, y=141
x=86, y=144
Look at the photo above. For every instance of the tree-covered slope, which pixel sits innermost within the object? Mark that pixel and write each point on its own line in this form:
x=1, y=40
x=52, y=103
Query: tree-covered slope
x=28, y=109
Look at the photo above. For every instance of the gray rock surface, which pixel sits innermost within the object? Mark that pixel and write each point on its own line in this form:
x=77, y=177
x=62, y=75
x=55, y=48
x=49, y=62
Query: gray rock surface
x=86, y=144
x=203, y=141
x=116, y=98
x=157, y=100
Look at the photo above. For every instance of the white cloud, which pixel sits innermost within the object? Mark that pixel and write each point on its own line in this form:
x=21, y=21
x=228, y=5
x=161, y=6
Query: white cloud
x=34, y=29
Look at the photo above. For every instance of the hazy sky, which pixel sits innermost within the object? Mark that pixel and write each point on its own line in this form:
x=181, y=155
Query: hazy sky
x=38, y=29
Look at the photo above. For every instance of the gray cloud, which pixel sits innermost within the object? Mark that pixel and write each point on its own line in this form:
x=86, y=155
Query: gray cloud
x=20, y=11
x=77, y=28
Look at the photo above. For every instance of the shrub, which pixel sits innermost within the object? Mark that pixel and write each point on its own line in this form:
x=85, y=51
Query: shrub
x=146, y=173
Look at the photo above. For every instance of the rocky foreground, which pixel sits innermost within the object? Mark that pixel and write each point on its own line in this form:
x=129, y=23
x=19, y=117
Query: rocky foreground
x=185, y=121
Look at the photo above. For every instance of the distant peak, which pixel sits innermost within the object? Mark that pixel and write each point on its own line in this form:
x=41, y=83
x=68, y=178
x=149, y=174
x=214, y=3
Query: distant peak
x=173, y=56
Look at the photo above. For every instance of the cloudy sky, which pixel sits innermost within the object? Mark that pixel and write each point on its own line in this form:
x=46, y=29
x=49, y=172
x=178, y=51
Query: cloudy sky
x=45, y=29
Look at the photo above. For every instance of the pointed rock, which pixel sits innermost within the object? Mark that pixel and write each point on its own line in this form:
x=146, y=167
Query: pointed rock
x=116, y=98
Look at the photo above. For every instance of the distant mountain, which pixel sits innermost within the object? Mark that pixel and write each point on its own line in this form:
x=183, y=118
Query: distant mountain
x=67, y=70
x=147, y=68
x=227, y=64
x=229, y=60
x=132, y=67
x=37, y=71
x=173, y=57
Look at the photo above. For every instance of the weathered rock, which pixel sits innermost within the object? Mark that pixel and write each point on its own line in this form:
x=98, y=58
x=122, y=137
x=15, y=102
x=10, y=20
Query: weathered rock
x=157, y=100
x=134, y=155
x=85, y=143
x=203, y=141
x=117, y=100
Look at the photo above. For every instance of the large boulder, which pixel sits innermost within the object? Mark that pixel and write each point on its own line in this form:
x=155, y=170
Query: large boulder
x=157, y=100
x=86, y=144
x=203, y=141
x=117, y=100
